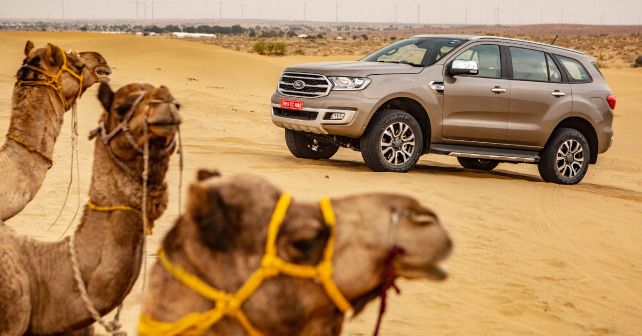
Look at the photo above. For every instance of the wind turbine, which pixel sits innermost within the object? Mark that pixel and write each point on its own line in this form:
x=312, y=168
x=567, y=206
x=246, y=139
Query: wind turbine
x=418, y=13
x=137, y=5
x=396, y=7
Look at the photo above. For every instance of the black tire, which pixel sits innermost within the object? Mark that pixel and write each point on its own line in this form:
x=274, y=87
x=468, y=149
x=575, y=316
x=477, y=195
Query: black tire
x=380, y=158
x=570, y=166
x=307, y=146
x=477, y=164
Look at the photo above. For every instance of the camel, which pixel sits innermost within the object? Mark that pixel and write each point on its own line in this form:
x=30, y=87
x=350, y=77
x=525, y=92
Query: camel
x=38, y=294
x=37, y=116
x=219, y=242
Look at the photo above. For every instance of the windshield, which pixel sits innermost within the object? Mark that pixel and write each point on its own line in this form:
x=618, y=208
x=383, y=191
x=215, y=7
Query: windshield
x=419, y=51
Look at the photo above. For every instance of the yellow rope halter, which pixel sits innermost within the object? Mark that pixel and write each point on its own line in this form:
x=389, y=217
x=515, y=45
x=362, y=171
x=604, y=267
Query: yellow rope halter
x=54, y=80
x=20, y=140
x=93, y=206
x=54, y=83
x=272, y=265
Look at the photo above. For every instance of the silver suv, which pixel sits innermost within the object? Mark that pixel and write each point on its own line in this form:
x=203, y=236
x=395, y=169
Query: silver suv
x=482, y=99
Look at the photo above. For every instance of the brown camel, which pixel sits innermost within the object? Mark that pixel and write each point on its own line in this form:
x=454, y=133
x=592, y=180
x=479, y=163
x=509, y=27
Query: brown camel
x=221, y=240
x=38, y=294
x=37, y=115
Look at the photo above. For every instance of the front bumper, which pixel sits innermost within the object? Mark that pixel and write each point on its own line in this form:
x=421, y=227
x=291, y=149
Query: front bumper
x=314, y=117
x=314, y=123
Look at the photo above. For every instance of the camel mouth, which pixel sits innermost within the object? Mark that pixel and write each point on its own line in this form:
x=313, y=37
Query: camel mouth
x=103, y=72
x=433, y=272
x=164, y=129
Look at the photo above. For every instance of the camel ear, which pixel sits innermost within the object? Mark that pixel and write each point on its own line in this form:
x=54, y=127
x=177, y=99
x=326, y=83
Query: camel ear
x=106, y=96
x=204, y=174
x=209, y=212
x=28, y=47
x=54, y=55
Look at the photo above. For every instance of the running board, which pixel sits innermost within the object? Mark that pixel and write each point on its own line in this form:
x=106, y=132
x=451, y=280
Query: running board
x=499, y=154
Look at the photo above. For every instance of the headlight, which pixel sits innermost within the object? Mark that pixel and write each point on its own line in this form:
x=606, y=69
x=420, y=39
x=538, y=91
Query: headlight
x=349, y=83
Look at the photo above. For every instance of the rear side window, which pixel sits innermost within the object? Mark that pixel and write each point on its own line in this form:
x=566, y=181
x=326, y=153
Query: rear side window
x=487, y=57
x=529, y=65
x=575, y=70
x=598, y=69
x=554, y=74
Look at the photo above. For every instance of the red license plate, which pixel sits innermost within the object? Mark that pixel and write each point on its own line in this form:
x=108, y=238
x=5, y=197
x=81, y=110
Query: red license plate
x=291, y=104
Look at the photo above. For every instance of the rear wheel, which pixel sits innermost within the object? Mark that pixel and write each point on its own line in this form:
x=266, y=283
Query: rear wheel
x=478, y=164
x=309, y=146
x=565, y=159
x=393, y=142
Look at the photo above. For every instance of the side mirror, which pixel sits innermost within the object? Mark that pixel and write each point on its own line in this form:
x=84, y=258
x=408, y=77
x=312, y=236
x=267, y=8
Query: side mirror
x=461, y=67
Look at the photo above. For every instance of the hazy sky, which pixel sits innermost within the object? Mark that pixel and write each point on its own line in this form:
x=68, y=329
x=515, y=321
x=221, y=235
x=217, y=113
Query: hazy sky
x=432, y=11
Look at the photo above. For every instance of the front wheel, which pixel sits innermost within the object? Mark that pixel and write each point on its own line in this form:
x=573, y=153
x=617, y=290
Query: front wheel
x=477, y=164
x=308, y=146
x=565, y=159
x=393, y=142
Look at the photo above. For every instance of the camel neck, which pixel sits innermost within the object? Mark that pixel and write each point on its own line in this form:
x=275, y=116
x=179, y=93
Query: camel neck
x=36, y=119
x=109, y=245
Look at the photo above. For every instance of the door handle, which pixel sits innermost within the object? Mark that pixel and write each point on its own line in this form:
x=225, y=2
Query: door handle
x=558, y=93
x=497, y=90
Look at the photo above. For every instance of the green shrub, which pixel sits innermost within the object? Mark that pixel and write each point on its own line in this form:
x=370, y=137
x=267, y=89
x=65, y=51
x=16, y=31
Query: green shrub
x=299, y=52
x=279, y=48
x=270, y=48
x=260, y=47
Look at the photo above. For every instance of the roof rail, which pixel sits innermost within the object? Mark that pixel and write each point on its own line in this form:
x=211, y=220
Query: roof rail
x=530, y=42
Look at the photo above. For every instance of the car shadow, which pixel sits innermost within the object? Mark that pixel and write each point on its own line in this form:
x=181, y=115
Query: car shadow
x=422, y=167
x=435, y=167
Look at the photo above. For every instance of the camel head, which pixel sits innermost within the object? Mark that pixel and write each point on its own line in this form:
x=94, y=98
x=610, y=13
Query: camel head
x=224, y=233
x=51, y=59
x=129, y=110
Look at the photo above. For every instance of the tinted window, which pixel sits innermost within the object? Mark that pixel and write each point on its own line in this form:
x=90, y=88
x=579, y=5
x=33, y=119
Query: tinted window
x=410, y=53
x=554, y=74
x=422, y=51
x=487, y=57
x=575, y=69
x=598, y=69
x=529, y=65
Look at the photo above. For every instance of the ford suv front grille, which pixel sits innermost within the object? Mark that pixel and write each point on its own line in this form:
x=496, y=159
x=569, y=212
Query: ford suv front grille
x=304, y=85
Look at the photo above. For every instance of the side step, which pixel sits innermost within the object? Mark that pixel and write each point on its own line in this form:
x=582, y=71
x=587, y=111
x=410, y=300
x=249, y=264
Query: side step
x=499, y=154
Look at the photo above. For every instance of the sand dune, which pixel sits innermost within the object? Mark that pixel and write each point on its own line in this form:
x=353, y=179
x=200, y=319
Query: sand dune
x=530, y=258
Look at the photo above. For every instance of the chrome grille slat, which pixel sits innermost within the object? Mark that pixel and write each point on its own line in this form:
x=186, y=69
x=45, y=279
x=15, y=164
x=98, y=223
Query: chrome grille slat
x=307, y=85
x=316, y=85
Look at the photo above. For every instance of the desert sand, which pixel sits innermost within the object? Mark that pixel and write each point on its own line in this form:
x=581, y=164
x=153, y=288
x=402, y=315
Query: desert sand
x=530, y=258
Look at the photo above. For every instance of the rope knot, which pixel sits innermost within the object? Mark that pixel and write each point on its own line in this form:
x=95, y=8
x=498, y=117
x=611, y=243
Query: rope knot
x=324, y=270
x=270, y=265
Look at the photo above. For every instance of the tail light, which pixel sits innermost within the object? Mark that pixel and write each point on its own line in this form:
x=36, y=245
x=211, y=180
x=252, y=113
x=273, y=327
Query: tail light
x=611, y=100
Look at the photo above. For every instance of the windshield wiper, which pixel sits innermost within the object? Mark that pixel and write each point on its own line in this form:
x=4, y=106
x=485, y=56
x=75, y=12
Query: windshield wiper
x=402, y=62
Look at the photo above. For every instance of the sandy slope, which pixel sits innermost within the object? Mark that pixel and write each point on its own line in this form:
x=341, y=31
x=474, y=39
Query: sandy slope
x=530, y=258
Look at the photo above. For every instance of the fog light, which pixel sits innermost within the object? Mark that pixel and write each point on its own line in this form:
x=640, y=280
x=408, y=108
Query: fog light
x=337, y=116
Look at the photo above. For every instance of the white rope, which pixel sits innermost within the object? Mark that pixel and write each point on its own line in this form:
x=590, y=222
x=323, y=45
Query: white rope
x=113, y=326
x=71, y=173
x=74, y=147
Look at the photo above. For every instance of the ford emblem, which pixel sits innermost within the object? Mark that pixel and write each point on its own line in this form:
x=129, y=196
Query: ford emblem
x=298, y=84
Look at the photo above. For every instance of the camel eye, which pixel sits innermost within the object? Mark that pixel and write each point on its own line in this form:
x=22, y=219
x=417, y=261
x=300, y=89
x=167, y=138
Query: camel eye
x=423, y=218
x=305, y=245
x=123, y=109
